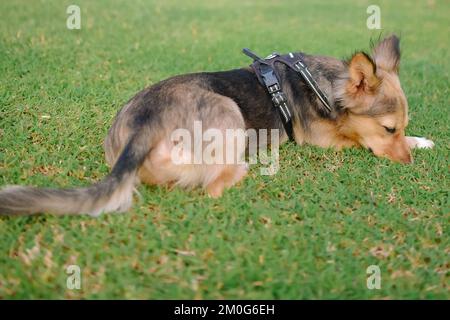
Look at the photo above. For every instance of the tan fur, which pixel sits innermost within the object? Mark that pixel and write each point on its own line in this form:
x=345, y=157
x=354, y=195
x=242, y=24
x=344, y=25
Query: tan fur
x=369, y=129
x=325, y=134
x=298, y=131
x=374, y=100
x=363, y=80
x=159, y=169
x=117, y=138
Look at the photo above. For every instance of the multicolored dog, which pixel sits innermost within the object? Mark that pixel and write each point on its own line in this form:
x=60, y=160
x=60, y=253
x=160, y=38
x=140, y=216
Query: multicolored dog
x=369, y=109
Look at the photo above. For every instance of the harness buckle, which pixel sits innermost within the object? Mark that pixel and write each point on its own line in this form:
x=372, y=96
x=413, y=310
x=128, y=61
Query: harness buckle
x=279, y=98
x=274, y=88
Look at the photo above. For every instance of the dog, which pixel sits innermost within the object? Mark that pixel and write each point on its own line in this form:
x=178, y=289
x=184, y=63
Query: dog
x=369, y=110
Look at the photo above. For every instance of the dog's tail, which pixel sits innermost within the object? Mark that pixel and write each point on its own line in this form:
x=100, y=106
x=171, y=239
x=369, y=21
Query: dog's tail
x=113, y=193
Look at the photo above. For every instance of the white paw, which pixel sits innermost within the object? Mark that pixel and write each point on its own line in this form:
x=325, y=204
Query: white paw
x=422, y=143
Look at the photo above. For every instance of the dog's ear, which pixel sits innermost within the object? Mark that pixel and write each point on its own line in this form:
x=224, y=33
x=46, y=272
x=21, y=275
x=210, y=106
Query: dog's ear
x=362, y=72
x=387, y=54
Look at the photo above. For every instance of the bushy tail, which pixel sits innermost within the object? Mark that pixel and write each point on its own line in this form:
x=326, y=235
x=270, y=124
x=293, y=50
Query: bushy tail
x=113, y=193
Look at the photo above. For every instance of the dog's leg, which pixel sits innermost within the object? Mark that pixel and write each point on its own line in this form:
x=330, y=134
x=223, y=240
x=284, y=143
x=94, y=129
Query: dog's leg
x=418, y=142
x=229, y=176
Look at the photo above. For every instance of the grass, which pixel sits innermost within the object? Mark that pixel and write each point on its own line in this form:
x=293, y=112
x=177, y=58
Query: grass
x=310, y=231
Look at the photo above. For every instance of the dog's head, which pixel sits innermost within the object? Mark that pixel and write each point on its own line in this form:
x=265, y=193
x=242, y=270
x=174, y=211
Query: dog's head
x=377, y=110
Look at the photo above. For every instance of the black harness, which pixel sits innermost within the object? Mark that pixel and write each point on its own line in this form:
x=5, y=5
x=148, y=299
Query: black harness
x=267, y=75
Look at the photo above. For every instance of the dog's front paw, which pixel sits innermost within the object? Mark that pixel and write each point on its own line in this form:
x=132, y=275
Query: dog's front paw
x=421, y=143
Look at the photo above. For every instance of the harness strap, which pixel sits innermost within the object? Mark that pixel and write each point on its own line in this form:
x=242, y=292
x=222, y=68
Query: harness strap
x=295, y=62
x=279, y=99
x=267, y=76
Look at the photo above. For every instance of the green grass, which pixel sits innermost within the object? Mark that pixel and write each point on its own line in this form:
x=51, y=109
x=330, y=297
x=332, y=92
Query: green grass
x=310, y=231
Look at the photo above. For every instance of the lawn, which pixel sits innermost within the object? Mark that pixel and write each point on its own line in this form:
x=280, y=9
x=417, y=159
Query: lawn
x=310, y=231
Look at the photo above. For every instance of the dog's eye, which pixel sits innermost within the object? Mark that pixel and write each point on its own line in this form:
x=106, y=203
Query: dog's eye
x=390, y=130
